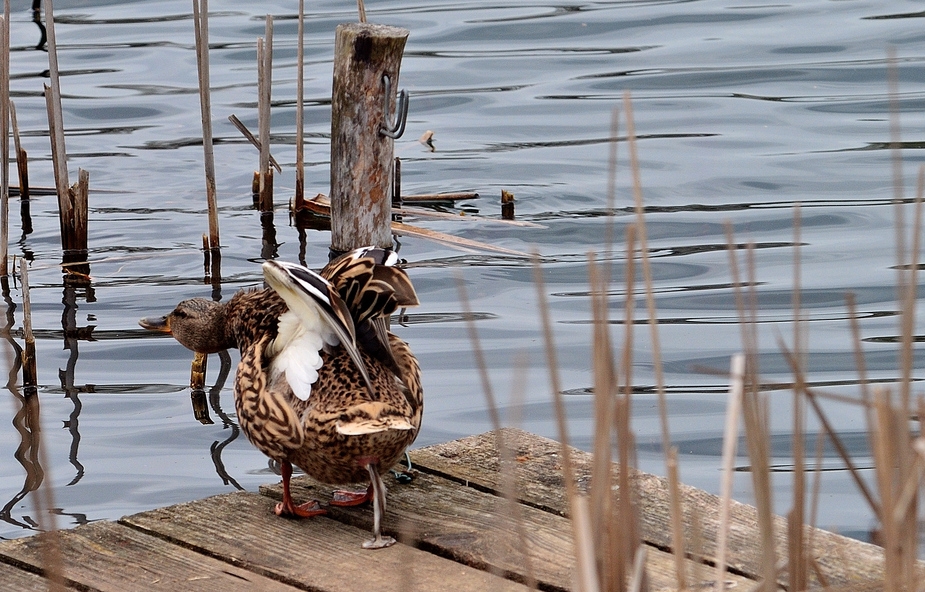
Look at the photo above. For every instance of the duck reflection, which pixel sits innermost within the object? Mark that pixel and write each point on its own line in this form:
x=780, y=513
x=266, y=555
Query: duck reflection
x=213, y=276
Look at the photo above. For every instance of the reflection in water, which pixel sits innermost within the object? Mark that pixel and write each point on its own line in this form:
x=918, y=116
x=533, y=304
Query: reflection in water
x=213, y=265
x=72, y=334
x=270, y=249
x=227, y=423
x=25, y=421
x=37, y=19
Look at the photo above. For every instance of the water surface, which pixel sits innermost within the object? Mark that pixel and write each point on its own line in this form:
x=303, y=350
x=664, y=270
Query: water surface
x=742, y=110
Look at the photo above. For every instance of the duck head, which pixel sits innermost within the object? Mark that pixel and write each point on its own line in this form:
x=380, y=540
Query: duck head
x=198, y=324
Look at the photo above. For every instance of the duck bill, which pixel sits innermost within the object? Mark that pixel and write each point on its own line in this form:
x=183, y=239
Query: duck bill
x=158, y=324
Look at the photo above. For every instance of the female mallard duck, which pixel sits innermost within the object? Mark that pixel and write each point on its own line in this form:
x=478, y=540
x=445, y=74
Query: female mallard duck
x=321, y=384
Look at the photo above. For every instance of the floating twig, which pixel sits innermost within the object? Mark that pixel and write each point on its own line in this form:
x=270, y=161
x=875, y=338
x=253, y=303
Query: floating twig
x=427, y=197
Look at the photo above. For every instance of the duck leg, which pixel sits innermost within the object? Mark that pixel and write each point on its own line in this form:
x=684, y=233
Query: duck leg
x=378, y=488
x=289, y=509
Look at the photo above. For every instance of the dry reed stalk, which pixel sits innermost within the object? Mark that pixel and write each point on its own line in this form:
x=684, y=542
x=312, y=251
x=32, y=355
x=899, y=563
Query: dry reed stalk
x=755, y=414
x=907, y=457
x=361, y=9
x=264, y=85
x=814, y=511
x=673, y=492
x=584, y=554
x=22, y=160
x=52, y=564
x=299, y=201
x=647, y=272
x=677, y=520
x=201, y=30
x=730, y=442
x=609, y=238
x=638, y=578
x=628, y=539
x=508, y=476
x=29, y=372
x=604, y=392
x=884, y=452
x=860, y=363
x=795, y=518
x=57, y=139
x=249, y=136
x=5, y=134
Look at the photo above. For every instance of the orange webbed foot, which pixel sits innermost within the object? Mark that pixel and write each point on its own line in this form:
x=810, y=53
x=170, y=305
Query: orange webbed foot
x=343, y=497
x=306, y=510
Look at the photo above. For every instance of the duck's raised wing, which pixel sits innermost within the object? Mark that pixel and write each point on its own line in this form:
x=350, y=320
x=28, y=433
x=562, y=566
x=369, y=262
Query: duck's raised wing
x=319, y=307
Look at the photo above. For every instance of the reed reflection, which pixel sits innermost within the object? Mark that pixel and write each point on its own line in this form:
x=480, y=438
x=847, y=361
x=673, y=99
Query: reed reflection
x=25, y=421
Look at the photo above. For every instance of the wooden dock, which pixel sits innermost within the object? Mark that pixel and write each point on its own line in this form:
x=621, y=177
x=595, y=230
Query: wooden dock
x=455, y=533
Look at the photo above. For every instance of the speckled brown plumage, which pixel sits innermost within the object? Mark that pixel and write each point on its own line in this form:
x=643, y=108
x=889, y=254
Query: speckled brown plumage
x=346, y=431
x=305, y=432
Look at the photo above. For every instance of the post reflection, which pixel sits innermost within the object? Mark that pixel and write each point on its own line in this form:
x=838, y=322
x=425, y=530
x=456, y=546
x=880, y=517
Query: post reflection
x=270, y=248
x=72, y=335
x=37, y=19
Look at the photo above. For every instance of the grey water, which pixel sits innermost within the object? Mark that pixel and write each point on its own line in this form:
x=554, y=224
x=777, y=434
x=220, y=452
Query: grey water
x=742, y=109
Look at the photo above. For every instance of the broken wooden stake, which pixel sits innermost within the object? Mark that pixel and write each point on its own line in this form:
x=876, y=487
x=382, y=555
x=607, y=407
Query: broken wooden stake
x=367, y=59
x=507, y=205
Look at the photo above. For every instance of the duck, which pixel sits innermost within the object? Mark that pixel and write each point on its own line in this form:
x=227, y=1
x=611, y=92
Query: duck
x=322, y=383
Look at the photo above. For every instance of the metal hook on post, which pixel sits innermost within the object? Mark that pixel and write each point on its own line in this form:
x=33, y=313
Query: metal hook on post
x=388, y=129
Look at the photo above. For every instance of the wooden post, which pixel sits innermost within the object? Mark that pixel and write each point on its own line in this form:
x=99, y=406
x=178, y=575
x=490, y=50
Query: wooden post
x=361, y=158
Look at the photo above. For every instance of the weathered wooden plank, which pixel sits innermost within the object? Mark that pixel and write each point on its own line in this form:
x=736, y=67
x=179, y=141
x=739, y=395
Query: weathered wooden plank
x=477, y=529
x=13, y=579
x=475, y=461
x=107, y=556
x=318, y=553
